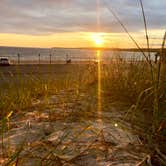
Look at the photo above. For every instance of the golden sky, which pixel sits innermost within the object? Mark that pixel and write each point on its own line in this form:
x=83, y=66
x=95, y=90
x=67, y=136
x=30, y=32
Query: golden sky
x=78, y=39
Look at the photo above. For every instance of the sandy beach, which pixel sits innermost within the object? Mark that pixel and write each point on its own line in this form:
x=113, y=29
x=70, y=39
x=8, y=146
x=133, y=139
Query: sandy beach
x=66, y=114
x=67, y=125
x=67, y=129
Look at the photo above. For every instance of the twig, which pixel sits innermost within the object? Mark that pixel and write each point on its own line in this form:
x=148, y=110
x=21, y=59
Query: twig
x=161, y=154
x=147, y=160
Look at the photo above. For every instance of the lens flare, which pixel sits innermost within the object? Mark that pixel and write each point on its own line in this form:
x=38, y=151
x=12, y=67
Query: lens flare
x=99, y=82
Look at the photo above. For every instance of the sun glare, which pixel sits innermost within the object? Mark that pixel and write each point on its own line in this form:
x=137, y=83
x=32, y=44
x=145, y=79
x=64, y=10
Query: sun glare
x=98, y=39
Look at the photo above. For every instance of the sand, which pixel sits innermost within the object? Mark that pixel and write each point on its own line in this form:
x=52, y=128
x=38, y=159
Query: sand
x=67, y=128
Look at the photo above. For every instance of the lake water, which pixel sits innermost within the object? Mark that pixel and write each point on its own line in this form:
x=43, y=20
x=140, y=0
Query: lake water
x=60, y=54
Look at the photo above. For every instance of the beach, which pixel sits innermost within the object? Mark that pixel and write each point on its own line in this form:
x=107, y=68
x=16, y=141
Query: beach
x=66, y=126
x=77, y=114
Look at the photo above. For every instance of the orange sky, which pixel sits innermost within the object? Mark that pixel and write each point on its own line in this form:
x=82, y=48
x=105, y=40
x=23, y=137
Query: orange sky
x=72, y=39
x=75, y=39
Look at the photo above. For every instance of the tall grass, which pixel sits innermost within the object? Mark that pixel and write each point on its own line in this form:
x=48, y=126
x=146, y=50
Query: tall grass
x=154, y=88
x=155, y=75
x=149, y=96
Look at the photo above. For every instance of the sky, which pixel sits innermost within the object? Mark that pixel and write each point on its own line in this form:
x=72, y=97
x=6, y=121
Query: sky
x=79, y=23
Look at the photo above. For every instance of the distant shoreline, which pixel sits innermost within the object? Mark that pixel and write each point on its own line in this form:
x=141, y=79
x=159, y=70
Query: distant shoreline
x=89, y=48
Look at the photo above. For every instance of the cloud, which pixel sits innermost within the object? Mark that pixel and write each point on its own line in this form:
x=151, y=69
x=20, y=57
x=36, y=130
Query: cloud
x=42, y=17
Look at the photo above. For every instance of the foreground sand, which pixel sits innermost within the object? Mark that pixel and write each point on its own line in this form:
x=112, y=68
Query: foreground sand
x=59, y=131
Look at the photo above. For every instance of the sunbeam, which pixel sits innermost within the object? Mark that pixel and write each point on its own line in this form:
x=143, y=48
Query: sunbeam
x=98, y=54
x=99, y=100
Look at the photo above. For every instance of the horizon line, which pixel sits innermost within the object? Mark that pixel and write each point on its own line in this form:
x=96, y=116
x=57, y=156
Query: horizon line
x=92, y=48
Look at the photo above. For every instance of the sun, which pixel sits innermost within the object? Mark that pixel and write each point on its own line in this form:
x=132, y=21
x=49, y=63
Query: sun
x=98, y=39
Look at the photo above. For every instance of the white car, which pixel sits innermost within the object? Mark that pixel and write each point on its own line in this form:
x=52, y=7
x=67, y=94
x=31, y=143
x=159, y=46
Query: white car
x=4, y=62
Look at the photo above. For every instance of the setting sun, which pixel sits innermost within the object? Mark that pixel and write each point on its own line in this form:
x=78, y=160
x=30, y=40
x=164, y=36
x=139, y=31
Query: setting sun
x=98, y=39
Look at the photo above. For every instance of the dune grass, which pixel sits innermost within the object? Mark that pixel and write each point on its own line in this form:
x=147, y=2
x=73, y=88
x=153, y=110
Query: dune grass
x=122, y=81
x=156, y=88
